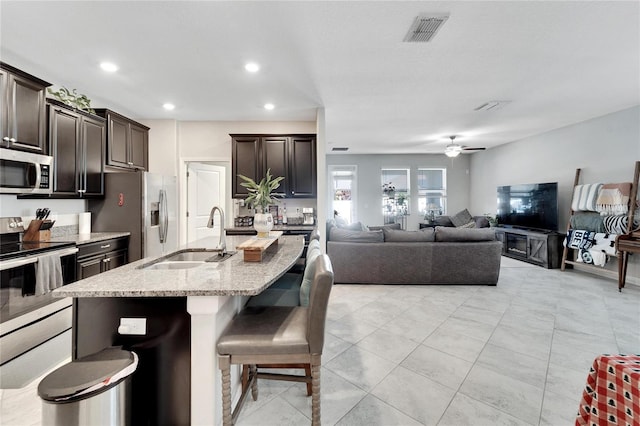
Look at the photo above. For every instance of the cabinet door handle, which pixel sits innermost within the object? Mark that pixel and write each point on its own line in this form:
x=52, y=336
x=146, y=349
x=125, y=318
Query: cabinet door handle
x=105, y=246
x=104, y=260
x=82, y=191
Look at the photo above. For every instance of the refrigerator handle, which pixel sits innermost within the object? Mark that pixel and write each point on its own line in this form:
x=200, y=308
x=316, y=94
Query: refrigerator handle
x=165, y=222
x=163, y=213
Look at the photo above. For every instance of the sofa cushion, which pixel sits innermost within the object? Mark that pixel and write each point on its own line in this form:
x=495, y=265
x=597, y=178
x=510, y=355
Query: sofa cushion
x=443, y=221
x=394, y=235
x=382, y=227
x=355, y=226
x=481, y=221
x=346, y=235
x=444, y=233
x=461, y=218
x=471, y=224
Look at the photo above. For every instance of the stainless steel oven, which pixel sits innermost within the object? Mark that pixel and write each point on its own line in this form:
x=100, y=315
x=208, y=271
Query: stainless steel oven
x=34, y=326
x=25, y=172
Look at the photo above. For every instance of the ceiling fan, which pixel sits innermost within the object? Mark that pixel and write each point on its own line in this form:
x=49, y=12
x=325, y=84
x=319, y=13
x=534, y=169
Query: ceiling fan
x=454, y=149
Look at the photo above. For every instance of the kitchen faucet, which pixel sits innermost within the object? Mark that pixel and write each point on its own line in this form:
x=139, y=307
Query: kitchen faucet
x=222, y=244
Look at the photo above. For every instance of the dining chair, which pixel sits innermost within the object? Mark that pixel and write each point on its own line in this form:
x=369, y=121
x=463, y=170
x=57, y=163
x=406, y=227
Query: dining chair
x=277, y=335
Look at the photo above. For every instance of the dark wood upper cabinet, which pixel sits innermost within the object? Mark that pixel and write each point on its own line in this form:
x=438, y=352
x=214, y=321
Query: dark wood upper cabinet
x=77, y=142
x=302, y=176
x=291, y=156
x=127, y=141
x=275, y=156
x=23, y=115
x=246, y=158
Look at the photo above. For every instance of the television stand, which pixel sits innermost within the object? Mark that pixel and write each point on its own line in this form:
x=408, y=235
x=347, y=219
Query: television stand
x=543, y=248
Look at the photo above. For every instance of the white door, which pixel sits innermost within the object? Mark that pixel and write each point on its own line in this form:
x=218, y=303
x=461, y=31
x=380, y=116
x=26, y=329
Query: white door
x=205, y=189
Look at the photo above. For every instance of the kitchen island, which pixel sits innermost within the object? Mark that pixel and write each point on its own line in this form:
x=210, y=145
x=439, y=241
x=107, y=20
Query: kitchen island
x=213, y=292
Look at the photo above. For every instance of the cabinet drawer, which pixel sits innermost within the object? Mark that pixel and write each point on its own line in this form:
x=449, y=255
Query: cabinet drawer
x=102, y=247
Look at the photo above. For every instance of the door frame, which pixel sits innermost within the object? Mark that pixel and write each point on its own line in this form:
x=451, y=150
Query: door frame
x=183, y=190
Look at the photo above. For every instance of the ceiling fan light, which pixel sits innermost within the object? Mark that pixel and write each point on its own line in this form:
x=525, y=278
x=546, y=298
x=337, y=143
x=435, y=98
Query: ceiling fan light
x=452, y=150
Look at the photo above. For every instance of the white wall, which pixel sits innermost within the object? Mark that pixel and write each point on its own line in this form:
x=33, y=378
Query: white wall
x=369, y=197
x=210, y=139
x=163, y=146
x=605, y=148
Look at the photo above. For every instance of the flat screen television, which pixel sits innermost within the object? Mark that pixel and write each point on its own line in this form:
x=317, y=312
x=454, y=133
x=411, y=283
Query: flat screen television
x=529, y=206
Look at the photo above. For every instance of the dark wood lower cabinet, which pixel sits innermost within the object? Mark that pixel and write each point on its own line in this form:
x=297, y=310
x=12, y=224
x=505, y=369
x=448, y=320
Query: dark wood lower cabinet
x=99, y=257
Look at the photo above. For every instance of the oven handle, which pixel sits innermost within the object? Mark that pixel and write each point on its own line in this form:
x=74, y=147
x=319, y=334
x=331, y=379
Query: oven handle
x=15, y=263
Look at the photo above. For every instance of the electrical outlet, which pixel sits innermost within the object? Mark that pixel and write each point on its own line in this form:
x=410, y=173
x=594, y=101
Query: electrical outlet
x=136, y=326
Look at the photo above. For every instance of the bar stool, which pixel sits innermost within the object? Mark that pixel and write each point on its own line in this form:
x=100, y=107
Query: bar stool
x=277, y=335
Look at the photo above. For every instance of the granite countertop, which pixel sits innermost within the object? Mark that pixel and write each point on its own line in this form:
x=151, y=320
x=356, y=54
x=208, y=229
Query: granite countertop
x=80, y=239
x=231, y=277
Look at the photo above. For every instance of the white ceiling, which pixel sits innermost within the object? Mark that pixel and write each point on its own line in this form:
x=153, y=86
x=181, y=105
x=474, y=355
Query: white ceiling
x=557, y=62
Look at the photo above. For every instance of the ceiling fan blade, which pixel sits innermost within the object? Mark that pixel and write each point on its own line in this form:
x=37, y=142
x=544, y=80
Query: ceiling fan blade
x=473, y=149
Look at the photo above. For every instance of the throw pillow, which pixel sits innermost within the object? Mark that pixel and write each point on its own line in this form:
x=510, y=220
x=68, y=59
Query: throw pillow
x=347, y=235
x=447, y=234
x=309, y=273
x=394, y=235
x=340, y=221
x=461, y=218
x=471, y=224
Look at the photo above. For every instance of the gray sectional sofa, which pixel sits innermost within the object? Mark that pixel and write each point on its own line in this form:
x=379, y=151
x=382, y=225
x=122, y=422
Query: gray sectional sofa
x=444, y=255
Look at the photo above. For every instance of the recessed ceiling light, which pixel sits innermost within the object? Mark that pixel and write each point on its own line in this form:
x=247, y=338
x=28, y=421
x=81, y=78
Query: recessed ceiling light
x=169, y=107
x=252, y=67
x=269, y=106
x=109, y=67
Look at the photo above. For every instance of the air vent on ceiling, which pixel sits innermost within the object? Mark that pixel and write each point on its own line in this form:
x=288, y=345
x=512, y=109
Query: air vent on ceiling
x=425, y=27
x=339, y=149
x=491, y=106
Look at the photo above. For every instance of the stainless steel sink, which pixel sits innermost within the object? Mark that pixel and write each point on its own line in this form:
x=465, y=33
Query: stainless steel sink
x=192, y=255
x=174, y=265
x=188, y=258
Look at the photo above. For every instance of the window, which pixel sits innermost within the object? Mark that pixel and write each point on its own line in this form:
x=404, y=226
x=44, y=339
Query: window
x=342, y=187
x=395, y=195
x=432, y=191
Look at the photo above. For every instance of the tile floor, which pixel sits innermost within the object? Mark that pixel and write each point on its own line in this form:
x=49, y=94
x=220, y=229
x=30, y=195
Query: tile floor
x=515, y=354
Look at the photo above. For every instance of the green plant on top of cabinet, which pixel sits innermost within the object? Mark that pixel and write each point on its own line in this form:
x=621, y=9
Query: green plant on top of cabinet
x=127, y=141
x=77, y=143
x=22, y=113
x=291, y=156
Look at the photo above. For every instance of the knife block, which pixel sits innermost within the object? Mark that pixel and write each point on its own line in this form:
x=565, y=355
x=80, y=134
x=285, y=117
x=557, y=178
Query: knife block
x=33, y=232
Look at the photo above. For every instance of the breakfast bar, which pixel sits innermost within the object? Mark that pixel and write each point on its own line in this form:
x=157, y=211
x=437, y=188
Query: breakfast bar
x=213, y=290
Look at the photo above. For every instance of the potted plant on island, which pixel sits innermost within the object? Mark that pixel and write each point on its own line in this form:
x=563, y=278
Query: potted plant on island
x=260, y=196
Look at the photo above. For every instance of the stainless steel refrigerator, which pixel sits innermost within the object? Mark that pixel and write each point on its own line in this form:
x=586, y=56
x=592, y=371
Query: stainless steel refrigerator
x=142, y=203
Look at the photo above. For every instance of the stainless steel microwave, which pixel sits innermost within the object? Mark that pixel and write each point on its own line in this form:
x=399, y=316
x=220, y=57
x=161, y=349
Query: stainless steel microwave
x=25, y=172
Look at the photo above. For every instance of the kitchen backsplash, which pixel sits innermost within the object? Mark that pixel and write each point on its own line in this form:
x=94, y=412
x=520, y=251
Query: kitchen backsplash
x=294, y=206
